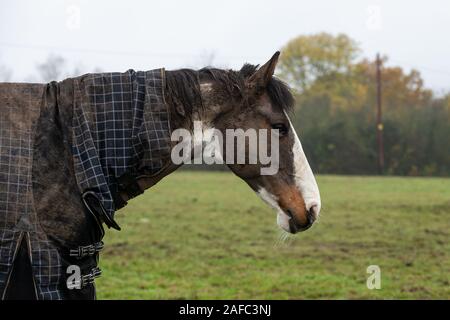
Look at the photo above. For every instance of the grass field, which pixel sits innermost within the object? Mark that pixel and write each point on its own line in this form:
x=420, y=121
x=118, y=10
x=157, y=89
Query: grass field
x=202, y=235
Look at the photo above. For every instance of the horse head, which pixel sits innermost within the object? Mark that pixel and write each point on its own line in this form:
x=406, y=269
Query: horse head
x=253, y=105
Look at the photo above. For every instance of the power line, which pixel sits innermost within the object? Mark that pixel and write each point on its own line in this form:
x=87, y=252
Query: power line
x=176, y=55
x=421, y=67
x=120, y=52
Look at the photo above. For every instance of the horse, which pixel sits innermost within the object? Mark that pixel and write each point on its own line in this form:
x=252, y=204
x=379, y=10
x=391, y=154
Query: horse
x=73, y=152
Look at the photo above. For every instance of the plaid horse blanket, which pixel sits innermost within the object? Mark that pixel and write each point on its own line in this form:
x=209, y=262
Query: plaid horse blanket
x=67, y=151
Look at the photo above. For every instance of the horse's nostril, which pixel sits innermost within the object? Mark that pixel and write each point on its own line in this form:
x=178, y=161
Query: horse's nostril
x=311, y=216
x=289, y=213
x=295, y=226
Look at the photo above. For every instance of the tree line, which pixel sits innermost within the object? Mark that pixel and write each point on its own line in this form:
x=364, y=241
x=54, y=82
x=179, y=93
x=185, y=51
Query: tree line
x=335, y=114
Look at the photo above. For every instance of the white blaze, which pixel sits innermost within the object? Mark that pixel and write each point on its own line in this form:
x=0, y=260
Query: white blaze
x=304, y=177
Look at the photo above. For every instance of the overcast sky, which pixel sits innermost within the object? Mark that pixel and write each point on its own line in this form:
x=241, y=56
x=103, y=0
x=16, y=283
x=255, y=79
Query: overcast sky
x=118, y=35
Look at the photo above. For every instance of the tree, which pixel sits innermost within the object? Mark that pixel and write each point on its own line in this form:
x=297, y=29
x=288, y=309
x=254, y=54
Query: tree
x=52, y=69
x=55, y=68
x=307, y=58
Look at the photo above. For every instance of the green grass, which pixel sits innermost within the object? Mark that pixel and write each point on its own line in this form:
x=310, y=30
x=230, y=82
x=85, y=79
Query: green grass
x=203, y=235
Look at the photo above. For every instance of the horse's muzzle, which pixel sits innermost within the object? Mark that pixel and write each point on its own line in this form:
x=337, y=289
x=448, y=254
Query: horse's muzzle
x=295, y=227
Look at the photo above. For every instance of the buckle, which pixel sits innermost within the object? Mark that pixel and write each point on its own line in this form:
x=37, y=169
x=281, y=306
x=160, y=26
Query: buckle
x=84, y=251
x=89, y=278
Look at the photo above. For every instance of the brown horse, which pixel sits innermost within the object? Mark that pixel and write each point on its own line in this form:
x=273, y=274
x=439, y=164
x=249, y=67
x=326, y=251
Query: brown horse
x=75, y=161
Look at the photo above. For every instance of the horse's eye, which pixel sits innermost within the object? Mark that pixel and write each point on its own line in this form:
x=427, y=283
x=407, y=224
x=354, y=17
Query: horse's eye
x=282, y=128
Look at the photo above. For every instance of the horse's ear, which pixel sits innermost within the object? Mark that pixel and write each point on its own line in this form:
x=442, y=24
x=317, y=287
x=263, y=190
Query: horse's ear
x=260, y=79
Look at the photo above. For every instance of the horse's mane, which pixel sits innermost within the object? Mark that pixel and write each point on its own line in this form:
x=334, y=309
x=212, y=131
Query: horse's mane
x=183, y=86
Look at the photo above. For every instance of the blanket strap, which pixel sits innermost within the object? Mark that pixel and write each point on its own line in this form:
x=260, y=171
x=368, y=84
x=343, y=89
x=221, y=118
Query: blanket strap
x=127, y=184
x=84, y=251
x=89, y=278
x=95, y=207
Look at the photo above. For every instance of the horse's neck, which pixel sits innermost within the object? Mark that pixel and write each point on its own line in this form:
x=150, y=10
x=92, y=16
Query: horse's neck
x=201, y=116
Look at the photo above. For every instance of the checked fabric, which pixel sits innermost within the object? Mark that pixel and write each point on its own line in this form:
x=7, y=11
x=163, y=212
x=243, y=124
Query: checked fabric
x=59, y=141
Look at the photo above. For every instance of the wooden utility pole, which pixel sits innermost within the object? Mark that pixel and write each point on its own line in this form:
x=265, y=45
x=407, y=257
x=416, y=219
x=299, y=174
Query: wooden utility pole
x=379, y=121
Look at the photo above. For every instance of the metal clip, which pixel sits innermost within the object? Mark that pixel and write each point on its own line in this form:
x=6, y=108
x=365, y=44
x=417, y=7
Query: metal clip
x=90, y=277
x=88, y=250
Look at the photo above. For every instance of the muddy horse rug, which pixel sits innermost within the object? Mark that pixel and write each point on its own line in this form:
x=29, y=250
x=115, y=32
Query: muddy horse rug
x=68, y=151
